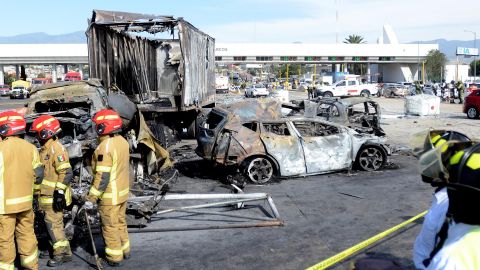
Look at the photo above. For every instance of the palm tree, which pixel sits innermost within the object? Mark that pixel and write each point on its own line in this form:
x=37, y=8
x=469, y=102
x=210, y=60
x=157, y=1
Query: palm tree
x=354, y=39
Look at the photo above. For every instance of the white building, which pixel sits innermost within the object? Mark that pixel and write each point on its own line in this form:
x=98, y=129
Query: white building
x=456, y=71
x=388, y=58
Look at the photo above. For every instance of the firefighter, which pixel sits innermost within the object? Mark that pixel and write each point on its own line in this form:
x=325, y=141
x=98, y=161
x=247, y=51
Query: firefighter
x=55, y=189
x=20, y=170
x=434, y=225
x=110, y=164
x=459, y=246
x=461, y=91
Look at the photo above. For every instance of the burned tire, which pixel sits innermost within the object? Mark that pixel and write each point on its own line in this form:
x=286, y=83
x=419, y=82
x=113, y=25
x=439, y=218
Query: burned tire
x=328, y=94
x=472, y=113
x=371, y=158
x=365, y=93
x=259, y=170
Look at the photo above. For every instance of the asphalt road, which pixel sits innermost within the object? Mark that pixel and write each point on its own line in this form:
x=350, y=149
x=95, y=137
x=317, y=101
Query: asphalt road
x=6, y=103
x=323, y=215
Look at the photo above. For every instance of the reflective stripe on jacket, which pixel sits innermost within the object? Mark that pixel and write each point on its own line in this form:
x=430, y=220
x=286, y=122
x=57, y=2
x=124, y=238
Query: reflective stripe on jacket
x=461, y=249
x=426, y=239
x=58, y=172
x=20, y=169
x=110, y=164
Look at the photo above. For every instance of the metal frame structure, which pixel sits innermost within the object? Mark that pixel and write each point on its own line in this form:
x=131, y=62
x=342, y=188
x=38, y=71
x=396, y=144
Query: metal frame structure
x=225, y=200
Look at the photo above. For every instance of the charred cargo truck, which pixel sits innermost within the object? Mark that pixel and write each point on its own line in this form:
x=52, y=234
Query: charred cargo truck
x=163, y=64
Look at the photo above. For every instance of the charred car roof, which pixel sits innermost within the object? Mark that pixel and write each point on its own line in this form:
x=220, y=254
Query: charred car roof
x=79, y=84
x=52, y=95
x=254, y=109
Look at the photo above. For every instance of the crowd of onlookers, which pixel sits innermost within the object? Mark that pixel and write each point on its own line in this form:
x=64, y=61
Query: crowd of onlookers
x=446, y=91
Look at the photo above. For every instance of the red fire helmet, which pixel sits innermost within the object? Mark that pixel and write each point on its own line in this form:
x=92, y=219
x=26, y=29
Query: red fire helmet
x=46, y=126
x=11, y=123
x=107, y=122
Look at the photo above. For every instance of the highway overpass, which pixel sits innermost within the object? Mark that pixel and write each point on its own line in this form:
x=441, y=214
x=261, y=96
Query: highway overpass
x=396, y=62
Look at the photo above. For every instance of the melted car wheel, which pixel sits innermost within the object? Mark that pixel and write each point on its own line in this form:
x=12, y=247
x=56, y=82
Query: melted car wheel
x=259, y=170
x=371, y=158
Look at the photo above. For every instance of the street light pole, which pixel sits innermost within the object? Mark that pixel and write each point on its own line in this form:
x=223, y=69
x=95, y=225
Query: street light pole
x=474, y=57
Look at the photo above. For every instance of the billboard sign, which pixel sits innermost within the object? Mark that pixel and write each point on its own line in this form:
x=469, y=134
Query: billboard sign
x=467, y=51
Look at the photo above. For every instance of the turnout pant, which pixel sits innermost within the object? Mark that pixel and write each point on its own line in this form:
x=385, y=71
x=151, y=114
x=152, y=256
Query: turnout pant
x=114, y=231
x=19, y=226
x=54, y=224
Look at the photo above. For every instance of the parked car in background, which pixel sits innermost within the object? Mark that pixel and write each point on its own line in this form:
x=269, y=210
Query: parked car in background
x=4, y=90
x=222, y=83
x=347, y=88
x=19, y=92
x=256, y=90
x=41, y=81
x=73, y=76
x=472, y=104
x=470, y=87
x=405, y=84
x=395, y=90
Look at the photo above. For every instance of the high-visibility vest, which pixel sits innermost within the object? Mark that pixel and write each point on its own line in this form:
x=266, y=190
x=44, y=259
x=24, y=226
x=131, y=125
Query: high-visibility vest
x=461, y=249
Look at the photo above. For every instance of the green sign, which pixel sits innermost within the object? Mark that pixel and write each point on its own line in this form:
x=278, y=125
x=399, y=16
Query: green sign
x=336, y=58
x=386, y=58
x=359, y=58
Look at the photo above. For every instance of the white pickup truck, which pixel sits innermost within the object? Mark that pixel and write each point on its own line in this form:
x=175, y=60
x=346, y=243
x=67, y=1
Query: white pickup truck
x=347, y=88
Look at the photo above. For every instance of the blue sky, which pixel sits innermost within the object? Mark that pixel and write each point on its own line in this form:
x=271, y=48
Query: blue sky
x=306, y=21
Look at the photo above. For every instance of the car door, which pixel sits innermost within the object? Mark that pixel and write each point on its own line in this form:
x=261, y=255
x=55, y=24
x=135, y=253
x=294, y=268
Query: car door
x=352, y=88
x=282, y=143
x=326, y=147
x=340, y=89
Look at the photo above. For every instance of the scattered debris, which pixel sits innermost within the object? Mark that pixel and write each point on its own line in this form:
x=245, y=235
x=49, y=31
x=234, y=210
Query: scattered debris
x=74, y=104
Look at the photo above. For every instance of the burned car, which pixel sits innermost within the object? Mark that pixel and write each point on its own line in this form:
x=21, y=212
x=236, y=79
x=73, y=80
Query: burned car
x=361, y=114
x=265, y=146
x=73, y=104
x=395, y=90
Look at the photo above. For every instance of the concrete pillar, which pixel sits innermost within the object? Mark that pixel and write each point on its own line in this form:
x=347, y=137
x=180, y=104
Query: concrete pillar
x=2, y=76
x=337, y=67
x=54, y=73
x=17, y=72
x=80, y=70
x=345, y=67
x=369, y=72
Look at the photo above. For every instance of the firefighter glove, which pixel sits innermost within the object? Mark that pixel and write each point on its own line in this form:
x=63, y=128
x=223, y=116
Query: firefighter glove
x=59, y=202
x=88, y=205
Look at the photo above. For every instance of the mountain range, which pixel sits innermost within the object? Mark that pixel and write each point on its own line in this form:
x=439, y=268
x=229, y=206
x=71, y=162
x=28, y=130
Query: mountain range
x=448, y=47
x=44, y=38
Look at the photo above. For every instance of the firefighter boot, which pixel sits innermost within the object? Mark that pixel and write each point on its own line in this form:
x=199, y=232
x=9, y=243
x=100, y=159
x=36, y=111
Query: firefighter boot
x=59, y=260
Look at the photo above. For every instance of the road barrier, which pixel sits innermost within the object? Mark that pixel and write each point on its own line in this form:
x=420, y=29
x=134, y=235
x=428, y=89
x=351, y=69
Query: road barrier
x=350, y=251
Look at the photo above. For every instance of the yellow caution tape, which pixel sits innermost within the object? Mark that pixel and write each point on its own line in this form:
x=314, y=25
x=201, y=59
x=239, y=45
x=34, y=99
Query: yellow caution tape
x=350, y=251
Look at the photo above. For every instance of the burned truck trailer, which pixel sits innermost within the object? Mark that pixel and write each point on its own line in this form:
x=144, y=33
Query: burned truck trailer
x=163, y=64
